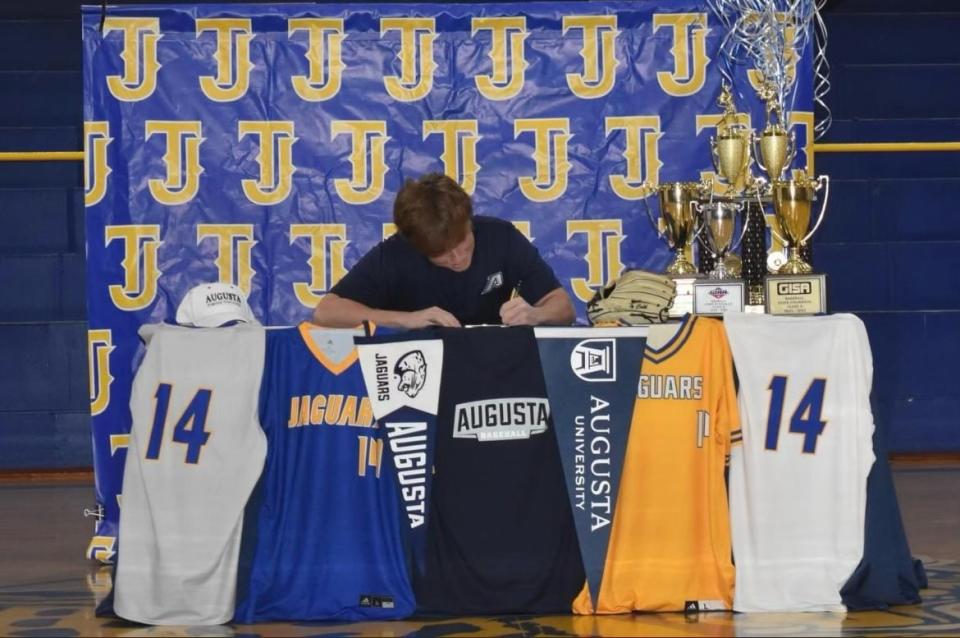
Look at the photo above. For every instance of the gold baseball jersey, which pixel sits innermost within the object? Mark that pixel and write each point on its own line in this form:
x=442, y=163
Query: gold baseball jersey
x=670, y=544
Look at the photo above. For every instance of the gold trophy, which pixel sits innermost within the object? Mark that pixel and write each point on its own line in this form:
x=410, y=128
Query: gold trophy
x=792, y=201
x=731, y=147
x=776, y=147
x=679, y=221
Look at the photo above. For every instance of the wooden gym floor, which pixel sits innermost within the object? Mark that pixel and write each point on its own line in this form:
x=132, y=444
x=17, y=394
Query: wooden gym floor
x=47, y=588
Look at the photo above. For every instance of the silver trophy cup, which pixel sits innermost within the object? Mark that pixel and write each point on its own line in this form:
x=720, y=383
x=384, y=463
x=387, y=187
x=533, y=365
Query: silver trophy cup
x=718, y=224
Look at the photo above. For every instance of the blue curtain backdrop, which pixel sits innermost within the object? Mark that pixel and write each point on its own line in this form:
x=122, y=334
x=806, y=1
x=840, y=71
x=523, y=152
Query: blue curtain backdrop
x=264, y=144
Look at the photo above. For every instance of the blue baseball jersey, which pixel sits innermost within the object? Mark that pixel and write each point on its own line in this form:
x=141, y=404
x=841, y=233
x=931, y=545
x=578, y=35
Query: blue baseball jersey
x=323, y=537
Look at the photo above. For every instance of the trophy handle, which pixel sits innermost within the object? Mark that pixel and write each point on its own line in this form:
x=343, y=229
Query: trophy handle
x=773, y=226
x=646, y=208
x=699, y=231
x=825, y=185
x=757, y=156
x=745, y=209
x=701, y=225
x=791, y=150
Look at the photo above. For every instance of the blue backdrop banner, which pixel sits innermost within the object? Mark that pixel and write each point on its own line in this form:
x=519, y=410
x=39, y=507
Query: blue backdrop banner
x=263, y=145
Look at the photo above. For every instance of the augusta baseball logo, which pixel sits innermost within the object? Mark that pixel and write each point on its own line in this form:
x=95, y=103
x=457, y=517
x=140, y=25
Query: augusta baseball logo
x=718, y=293
x=500, y=419
x=411, y=369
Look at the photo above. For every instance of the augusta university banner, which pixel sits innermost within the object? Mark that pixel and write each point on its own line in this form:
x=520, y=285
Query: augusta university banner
x=263, y=145
x=591, y=376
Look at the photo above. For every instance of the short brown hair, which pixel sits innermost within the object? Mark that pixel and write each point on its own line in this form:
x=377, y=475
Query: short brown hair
x=432, y=213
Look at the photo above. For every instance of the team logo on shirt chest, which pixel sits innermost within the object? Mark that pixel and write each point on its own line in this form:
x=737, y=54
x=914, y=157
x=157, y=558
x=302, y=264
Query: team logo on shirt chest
x=494, y=281
x=500, y=419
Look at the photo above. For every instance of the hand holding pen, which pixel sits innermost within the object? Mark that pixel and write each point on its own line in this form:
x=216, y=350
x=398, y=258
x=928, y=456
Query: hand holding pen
x=516, y=311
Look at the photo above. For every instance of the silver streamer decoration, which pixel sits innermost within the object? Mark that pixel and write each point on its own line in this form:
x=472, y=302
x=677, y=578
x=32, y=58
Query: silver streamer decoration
x=765, y=35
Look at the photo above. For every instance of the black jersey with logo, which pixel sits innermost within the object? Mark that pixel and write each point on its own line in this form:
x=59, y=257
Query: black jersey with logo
x=500, y=529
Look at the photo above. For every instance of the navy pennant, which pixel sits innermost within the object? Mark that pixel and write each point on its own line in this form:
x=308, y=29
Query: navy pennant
x=591, y=376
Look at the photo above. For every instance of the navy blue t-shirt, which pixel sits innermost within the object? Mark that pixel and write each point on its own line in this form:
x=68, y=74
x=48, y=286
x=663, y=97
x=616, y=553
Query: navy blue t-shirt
x=395, y=276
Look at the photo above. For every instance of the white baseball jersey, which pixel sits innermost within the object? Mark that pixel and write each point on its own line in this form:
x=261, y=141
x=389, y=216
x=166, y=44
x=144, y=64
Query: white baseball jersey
x=798, y=482
x=196, y=451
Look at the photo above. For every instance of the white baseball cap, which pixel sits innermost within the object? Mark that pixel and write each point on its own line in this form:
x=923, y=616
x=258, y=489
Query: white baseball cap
x=213, y=305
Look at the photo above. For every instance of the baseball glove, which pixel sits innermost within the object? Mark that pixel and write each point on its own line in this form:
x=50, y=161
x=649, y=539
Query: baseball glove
x=636, y=298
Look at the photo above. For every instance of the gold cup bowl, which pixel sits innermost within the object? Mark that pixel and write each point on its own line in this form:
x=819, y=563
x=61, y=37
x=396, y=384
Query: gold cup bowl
x=731, y=157
x=777, y=148
x=679, y=221
x=792, y=203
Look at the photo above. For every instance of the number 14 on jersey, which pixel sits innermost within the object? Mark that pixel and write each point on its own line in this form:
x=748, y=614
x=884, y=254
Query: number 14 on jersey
x=806, y=418
x=190, y=428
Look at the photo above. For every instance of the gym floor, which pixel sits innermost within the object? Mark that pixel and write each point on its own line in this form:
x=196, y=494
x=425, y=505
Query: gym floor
x=47, y=588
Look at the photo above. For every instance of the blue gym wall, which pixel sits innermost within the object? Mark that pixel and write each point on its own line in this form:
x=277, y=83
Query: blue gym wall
x=890, y=243
x=891, y=239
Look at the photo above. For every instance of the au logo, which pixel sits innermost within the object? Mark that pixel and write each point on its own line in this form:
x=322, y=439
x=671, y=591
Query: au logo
x=324, y=53
x=235, y=244
x=96, y=138
x=328, y=242
x=551, y=138
x=595, y=360
x=182, y=160
x=368, y=140
x=140, y=243
x=417, y=36
x=603, y=253
x=232, y=55
x=506, y=52
x=689, y=31
x=139, y=56
x=598, y=53
x=275, y=158
x=459, y=155
x=641, y=151
x=99, y=347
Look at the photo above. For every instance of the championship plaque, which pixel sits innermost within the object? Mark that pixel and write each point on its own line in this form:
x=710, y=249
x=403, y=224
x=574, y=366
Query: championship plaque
x=796, y=294
x=714, y=297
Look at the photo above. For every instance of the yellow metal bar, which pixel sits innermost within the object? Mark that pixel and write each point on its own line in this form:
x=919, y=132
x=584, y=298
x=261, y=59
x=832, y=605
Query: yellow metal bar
x=866, y=147
x=41, y=156
x=886, y=147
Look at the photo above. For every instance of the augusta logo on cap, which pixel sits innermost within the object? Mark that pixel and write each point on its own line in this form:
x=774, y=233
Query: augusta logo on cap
x=215, y=298
x=214, y=305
